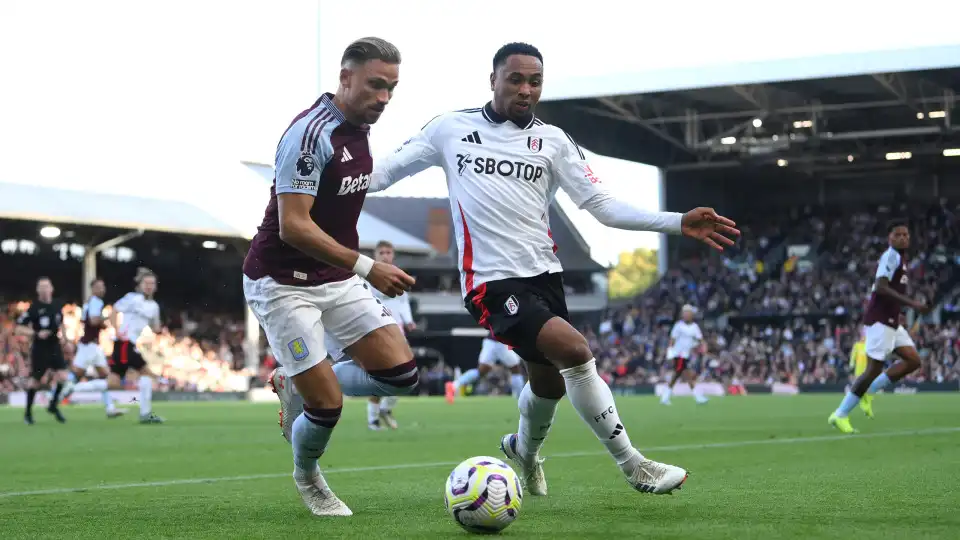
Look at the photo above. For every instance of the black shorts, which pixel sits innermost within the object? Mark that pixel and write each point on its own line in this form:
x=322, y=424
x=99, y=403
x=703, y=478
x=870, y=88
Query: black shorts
x=515, y=309
x=680, y=365
x=125, y=356
x=43, y=359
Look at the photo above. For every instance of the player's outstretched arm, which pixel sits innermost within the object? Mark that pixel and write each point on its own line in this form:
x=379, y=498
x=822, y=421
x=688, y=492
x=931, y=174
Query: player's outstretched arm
x=585, y=189
x=416, y=155
x=702, y=224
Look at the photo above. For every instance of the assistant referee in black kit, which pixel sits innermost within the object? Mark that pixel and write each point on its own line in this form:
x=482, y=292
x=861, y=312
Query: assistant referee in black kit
x=42, y=321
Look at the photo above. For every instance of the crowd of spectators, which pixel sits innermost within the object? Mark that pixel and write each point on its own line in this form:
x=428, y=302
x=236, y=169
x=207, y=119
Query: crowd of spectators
x=794, y=321
x=190, y=354
x=631, y=346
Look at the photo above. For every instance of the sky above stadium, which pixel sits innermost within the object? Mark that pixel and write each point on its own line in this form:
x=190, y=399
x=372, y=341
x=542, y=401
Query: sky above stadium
x=166, y=99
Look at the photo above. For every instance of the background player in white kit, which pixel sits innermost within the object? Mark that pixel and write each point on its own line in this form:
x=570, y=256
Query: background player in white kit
x=90, y=355
x=380, y=409
x=492, y=352
x=137, y=310
x=685, y=339
x=503, y=168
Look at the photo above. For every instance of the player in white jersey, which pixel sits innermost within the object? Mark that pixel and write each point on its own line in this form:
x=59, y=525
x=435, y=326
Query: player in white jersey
x=89, y=354
x=491, y=353
x=503, y=167
x=136, y=311
x=380, y=409
x=685, y=339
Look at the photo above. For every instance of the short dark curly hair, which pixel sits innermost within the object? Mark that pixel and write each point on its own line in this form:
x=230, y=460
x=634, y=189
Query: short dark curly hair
x=511, y=49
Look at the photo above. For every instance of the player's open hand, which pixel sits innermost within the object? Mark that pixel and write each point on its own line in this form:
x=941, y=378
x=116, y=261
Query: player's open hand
x=922, y=307
x=389, y=279
x=705, y=225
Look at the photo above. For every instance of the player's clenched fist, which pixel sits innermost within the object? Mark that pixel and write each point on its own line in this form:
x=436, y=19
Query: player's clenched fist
x=389, y=279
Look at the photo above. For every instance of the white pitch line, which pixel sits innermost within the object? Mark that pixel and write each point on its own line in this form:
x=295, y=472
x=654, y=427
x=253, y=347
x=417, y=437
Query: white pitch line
x=429, y=465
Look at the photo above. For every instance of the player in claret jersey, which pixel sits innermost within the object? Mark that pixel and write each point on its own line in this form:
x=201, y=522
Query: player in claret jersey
x=302, y=274
x=89, y=354
x=884, y=332
x=503, y=168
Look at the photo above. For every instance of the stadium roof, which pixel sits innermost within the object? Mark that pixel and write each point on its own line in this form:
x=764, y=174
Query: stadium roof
x=55, y=205
x=839, y=126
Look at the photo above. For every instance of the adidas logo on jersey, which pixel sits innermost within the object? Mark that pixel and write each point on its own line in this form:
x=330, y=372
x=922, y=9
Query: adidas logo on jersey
x=472, y=138
x=346, y=156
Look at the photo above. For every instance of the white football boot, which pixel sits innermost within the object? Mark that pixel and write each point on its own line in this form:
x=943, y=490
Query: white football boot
x=531, y=471
x=320, y=500
x=648, y=476
x=291, y=404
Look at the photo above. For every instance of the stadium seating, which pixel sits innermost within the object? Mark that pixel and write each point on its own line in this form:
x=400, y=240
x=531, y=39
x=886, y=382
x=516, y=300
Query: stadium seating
x=773, y=314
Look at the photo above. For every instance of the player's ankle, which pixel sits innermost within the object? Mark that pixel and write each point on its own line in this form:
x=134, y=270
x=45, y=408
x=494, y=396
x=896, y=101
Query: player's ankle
x=306, y=476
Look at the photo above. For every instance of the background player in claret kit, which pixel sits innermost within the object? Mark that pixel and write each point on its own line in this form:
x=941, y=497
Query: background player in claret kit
x=42, y=321
x=380, y=409
x=302, y=274
x=491, y=352
x=503, y=168
x=89, y=354
x=884, y=332
x=685, y=339
x=136, y=311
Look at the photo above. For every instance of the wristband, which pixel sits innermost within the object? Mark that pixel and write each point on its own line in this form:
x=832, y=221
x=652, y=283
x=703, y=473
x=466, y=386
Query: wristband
x=363, y=266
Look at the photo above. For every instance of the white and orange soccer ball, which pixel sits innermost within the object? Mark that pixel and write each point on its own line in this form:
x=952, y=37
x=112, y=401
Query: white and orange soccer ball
x=483, y=495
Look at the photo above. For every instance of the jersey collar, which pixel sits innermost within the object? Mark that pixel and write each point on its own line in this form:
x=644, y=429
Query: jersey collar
x=494, y=117
x=327, y=101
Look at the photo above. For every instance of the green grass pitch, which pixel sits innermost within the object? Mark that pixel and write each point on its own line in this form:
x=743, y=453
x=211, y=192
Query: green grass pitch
x=764, y=467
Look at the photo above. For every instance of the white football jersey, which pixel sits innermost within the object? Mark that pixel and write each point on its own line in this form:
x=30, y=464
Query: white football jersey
x=137, y=313
x=502, y=178
x=685, y=338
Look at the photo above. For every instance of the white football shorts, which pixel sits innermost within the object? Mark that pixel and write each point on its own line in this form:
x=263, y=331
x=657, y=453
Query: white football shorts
x=89, y=355
x=296, y=319
x=493, y=351
x=883, y=340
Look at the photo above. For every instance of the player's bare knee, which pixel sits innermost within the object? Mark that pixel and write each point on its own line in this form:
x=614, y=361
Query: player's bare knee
x=571, y=354
x=562, y=344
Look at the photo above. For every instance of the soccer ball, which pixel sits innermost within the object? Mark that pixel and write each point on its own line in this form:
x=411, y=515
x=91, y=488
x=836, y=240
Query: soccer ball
x=483, y=495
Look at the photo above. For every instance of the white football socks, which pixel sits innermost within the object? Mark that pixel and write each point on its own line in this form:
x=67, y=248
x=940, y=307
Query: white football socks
x=373, y=411
x=388, y=403
x=593, y=400
x=536, y=417
x=96, y=385
x=108, y=402
x=146, y=395
x=516, y=384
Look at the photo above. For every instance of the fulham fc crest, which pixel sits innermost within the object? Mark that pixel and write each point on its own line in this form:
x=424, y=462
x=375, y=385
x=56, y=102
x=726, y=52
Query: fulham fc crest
x=511, y=305
x=534, y=144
